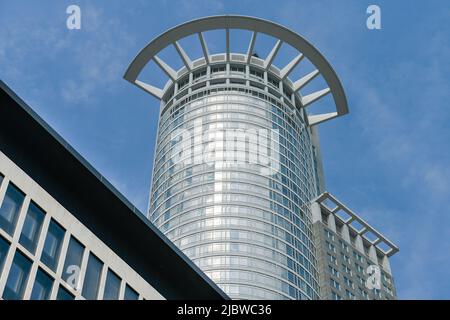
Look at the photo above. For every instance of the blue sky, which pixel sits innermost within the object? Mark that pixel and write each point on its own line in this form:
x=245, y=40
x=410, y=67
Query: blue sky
x=388, y=159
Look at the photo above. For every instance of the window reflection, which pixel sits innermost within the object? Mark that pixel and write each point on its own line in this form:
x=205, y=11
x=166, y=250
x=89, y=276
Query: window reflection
x=10, y=208
x=52, y=245
x=92, y=278
x=17, y=278
x=31, y=229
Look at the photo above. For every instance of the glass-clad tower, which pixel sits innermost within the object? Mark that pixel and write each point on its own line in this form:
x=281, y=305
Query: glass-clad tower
x=237, y=163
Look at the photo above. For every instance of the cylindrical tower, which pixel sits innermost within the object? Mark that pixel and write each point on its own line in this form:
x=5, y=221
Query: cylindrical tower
x=235, y=165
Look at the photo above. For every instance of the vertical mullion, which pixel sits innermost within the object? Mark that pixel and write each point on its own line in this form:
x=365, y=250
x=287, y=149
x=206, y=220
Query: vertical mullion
x=102, y=282
x=31, y=280
x=3, y=187
x=122, y=289
x=83, y=267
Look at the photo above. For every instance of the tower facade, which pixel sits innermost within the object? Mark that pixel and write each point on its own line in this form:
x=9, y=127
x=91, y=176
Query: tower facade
x=237, y=163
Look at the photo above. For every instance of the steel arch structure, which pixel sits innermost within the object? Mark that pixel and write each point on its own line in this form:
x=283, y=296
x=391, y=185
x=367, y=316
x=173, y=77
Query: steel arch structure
x=256, y=25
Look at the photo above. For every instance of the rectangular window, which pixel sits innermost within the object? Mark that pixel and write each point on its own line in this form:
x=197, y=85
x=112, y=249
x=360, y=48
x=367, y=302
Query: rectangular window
x=4, y=247
x=348, y=282
x=349, y=294
x=42, y=287
x=329, y=235
x=335, y=296
x=359, y=268
x=364, y=293
x=32, y=227
x=92, y=278
x=386, y=278
x=237, y=69
x=17, y=278
x=345, y=257
x=358, y=256
x=256, y=73
x=333, y=271
x=347, y=269
x=343, y=245
x=112, y=286
x=52, y=246
x=64, y=294
x=199, y=74
x=9, y=211
x=332, y=258
x=72, y=264
x=217, y=69
x=130, y=293
x=331, y=247
x=335, y=284
x=387, y=289
x=376, y=292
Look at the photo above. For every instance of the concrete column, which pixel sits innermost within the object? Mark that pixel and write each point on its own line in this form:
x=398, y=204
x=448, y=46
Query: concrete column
x=386, y=265
x=266, y=89
x=316, y=212
x=359, y=244
x=280, y=87
x=331, y=221
x=175, y=92
x=346, y=233
x=191, y=80
x=208, y=76
x=373, y=254
x=247, y=76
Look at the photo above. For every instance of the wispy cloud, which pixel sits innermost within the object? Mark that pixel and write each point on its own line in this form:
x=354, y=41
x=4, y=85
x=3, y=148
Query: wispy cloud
x=399, y=106
x=100, y=58
x=401, y=119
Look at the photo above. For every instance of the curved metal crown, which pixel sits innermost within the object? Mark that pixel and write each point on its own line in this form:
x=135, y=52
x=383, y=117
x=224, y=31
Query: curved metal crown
x=227, y=22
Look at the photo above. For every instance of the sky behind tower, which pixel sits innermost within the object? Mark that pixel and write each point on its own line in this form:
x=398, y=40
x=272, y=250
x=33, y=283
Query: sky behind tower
x=388, y=159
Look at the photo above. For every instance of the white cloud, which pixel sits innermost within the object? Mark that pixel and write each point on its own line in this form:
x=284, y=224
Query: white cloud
x=401, y=110
x=100, y=58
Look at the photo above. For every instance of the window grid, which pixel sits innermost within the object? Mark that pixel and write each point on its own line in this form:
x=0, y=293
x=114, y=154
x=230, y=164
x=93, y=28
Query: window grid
x=36, y=264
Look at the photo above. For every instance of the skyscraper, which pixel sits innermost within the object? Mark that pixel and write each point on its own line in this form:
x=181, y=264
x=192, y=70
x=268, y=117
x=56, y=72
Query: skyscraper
x=353, y=257
x=237, y=163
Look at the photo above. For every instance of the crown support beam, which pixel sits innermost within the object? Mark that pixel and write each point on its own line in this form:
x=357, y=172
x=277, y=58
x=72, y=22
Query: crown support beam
x=272, y=55
x=310, y=98
x=290, y=66
x=305, y=80
x=154, y=91
x=255, y=26
x=319, y=118
x=251, y=46
x=204, y=47
x=166, y=68
x=183, y=55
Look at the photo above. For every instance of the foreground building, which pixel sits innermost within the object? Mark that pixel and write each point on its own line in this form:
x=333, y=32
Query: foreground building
x=237, y=170
x=66, y=233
